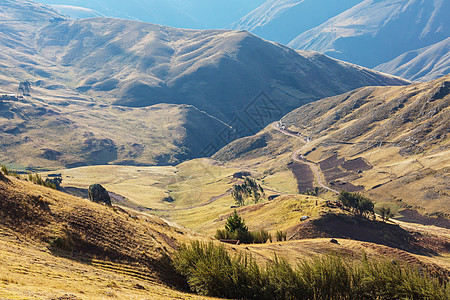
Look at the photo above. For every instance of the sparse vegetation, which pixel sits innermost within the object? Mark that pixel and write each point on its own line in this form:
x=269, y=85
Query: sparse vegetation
x=250, y=188
x=54, y=183
x=5, y=170
x=314, y=192
x=357, y=203
x=235, y=229
x=280, y=236
x=210, y=270
x=9, y=172
x=385, y=213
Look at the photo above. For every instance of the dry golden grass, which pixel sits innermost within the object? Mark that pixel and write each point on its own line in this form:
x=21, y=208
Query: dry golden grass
x=29, y=270
x=52, y=243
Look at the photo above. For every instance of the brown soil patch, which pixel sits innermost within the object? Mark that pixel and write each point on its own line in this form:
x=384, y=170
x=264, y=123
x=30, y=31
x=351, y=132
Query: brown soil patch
x=357, y=164
x=304, y=176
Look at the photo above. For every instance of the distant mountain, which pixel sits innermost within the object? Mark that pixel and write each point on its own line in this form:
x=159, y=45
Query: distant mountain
x=375, y=32
x=77, y=12
x=233, y=82
x=283, y=20
x=221, y=72
x=194, y=14
x=421, y=65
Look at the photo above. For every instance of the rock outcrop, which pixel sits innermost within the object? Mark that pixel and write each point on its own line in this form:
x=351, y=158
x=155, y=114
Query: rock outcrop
x=99, y=194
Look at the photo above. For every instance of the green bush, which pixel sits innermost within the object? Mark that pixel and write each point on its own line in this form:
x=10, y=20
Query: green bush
x=235, y=229
x=211, y=271
x=261, y=236
x=280, y=236
x=357, y=203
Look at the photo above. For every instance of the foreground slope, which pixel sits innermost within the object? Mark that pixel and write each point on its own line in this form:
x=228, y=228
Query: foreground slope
x=391, y=142
x=421, y=65
x=88, y=249
x=375, y=32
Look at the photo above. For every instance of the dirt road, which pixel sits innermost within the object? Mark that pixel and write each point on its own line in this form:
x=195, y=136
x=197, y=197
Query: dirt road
x=296, y=158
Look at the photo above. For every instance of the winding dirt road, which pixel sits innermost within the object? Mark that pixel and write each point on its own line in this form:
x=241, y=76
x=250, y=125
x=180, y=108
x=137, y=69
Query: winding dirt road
x=296, y=157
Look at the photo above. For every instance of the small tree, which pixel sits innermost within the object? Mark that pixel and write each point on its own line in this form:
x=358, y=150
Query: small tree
x=385, y=213
x=357, y=203
x=238, y=195
x=235, y=223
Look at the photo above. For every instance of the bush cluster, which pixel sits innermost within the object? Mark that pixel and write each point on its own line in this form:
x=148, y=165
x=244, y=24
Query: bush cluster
x=359, y=204
x=235, y=229
x=211, y=271
x=9, y=172
x=250, y=188
x=54, y=183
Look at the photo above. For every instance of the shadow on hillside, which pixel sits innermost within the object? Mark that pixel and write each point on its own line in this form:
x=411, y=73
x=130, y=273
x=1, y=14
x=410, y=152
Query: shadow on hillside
x=357, y=228
x=413, y=216
x=77, y=192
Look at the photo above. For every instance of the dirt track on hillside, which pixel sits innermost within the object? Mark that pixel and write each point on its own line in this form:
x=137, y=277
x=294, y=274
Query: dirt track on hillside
x=295, y=156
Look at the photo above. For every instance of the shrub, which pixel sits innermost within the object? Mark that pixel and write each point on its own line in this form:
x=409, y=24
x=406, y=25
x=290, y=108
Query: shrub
x=211, y=271
x=357, y=203
x=235, y=229
x=280, y=236
x=261, y=236
x=5, y=170
x=385, y=213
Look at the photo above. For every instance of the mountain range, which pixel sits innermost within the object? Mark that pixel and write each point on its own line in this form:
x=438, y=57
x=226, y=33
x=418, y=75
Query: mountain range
x=194, y=14
x=234, y=79
x=424, y=64
x=351, y=30
x=284, y=20
x=375, y=32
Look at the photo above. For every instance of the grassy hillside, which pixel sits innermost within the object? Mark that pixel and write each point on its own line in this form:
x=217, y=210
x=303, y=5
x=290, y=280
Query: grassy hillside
x=138, y=64
x=56, y=245
x=81, y=248
x=70, y=133
x=124, y=92
x=391, y=142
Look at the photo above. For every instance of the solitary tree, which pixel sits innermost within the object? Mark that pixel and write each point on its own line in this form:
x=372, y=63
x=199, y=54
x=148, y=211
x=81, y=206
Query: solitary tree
x=385, y=213
x=235, y=223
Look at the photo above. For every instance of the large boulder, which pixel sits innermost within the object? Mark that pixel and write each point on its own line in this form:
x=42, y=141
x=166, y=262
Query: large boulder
x=99, y=194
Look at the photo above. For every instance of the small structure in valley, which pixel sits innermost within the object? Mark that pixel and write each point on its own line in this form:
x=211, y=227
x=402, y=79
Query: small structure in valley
x=99, y=194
